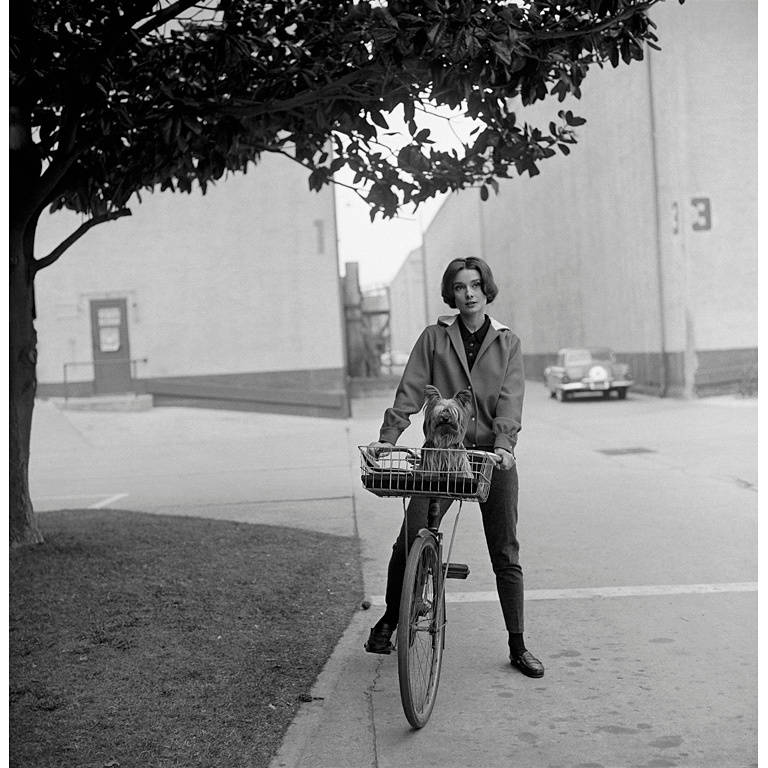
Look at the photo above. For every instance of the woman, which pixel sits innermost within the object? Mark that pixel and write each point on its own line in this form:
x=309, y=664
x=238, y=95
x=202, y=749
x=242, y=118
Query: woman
x=468, y=350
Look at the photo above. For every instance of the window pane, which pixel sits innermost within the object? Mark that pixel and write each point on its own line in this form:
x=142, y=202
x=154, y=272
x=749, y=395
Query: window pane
x=109, y=339
x=109, y=316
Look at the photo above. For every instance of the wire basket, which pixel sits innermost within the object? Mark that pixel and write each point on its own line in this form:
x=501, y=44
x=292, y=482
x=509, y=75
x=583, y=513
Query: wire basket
x=452, y=473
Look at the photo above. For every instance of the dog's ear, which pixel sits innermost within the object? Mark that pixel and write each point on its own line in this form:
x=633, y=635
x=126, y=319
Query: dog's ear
x=431, y=393
x=463, y=398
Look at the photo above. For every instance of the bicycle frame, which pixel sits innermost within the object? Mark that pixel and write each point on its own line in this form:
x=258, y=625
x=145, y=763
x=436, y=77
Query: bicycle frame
x=433, y=526
x=455, y=474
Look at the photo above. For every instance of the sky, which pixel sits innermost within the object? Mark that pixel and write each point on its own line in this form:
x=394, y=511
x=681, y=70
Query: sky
x=381, y=247
x=378, y=247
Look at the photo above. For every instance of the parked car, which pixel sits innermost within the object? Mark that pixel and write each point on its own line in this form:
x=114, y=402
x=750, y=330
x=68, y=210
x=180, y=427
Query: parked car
x=587, y=370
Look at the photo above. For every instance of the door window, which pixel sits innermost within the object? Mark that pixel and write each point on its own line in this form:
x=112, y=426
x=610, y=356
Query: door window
x=109, y=319
x=109, y=339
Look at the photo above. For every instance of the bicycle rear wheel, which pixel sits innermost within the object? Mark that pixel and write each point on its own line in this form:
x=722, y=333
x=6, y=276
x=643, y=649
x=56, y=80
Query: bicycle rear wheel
x=420, y=630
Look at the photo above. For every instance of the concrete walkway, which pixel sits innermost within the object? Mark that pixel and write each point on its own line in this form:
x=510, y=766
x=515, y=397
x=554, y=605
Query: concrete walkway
x=641, y=578
x=638, y=529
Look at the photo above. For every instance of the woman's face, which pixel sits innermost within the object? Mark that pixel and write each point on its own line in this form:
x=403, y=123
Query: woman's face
x=468, y=294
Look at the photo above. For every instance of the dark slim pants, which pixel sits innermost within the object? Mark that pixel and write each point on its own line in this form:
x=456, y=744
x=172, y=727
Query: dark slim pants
x=500, y=523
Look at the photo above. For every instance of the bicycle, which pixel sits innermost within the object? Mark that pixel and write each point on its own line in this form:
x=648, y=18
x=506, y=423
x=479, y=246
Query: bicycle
x=420, y=638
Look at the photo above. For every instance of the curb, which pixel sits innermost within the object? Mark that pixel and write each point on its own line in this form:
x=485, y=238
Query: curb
x=106, y=403
x=728, y=401
x=298, y=738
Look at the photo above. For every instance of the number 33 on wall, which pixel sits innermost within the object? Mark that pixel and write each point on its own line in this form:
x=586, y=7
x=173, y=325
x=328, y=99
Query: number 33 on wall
x=702, y=215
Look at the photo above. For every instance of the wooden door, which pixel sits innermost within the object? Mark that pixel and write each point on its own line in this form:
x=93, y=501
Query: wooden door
x=111, y=350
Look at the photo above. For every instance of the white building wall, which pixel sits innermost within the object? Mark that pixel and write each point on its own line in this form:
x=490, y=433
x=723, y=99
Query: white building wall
x=406, y=297
x=243, y=279
x=707, y=139
x=449, y=238
x=584, y=251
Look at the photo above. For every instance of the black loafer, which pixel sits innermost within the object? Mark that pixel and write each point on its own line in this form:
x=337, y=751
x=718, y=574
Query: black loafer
x=379, y=639
x=527, y=663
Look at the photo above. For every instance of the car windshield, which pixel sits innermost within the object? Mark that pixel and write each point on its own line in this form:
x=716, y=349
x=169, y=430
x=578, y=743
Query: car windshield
x=601, y=353
x=578, y=357
x=586, y=356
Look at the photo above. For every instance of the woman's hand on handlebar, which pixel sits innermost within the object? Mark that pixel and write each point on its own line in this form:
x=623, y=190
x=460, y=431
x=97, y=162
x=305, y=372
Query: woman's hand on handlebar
x=377, y=447
x=506, y=459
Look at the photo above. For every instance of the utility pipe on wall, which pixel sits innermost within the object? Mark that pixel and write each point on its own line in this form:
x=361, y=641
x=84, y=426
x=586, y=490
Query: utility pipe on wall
x=657, y=225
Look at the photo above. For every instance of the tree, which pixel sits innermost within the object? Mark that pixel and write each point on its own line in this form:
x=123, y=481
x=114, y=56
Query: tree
x=112, y=97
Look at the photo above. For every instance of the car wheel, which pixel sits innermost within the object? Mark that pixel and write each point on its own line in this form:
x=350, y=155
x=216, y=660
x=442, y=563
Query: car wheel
x=562, y=396
x=606, y=394
x=553, y=393
x=622, y=391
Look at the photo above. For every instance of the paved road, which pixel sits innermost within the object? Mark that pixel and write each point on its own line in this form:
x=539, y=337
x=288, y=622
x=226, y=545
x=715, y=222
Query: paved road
x=638, y=529
x=285, y=470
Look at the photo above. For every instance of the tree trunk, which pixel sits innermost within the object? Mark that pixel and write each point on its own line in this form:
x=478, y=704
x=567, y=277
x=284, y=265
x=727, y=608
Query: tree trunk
x=22, y=385
x=24, y=210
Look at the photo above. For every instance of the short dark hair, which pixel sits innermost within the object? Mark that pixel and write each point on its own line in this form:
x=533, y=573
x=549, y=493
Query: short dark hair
x=487, y=283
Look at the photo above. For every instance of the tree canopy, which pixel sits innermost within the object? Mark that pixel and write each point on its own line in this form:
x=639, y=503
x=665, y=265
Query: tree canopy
x=120, y=96
x=110, y=98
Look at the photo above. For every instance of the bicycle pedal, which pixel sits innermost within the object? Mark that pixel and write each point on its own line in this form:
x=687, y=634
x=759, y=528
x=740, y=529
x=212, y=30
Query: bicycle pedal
x=456, y=570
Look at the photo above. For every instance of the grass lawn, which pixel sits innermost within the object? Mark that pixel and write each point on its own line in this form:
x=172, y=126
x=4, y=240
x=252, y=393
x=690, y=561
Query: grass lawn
x=141, y=640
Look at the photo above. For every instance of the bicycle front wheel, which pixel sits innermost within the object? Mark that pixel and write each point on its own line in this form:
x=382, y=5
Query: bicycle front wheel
x=420, y=630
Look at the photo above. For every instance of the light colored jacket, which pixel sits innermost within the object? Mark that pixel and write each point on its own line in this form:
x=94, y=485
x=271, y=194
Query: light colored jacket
x=496, y=382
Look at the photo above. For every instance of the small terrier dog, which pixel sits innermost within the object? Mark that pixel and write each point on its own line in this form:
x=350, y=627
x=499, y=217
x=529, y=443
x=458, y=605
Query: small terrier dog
x=445, y=424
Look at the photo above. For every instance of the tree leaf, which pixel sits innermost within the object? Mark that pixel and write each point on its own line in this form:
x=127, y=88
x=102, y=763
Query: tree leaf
x=378, y=118
x=502, y=51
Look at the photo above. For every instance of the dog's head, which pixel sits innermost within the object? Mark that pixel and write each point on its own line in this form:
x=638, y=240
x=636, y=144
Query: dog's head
x=446, y=419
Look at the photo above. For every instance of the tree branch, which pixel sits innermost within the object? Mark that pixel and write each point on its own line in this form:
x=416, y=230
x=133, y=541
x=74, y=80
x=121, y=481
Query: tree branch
x=65, y=155
x=46, y=261
x=339, y=88
x=306, y=167
x=565, y=34
x=163, y=16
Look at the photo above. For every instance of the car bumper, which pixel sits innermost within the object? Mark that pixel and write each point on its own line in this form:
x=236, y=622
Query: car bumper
x=596, y=386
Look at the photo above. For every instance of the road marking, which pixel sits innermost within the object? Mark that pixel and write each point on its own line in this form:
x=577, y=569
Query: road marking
x=582, y=593
x=259, y=502
x=108, y=500
x=69, y=496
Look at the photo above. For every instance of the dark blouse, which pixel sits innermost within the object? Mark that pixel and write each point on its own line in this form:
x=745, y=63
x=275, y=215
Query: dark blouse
x=472, y=341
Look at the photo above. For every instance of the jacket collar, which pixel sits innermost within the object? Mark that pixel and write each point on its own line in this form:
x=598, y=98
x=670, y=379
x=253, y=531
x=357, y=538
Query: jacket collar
x=454, y=334
x=450, y=320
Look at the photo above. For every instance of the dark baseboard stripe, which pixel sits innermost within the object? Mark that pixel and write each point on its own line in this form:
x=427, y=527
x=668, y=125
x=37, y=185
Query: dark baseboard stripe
x=307, y=392
x=718, y=371
x=253, y=406
x=207, y=390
